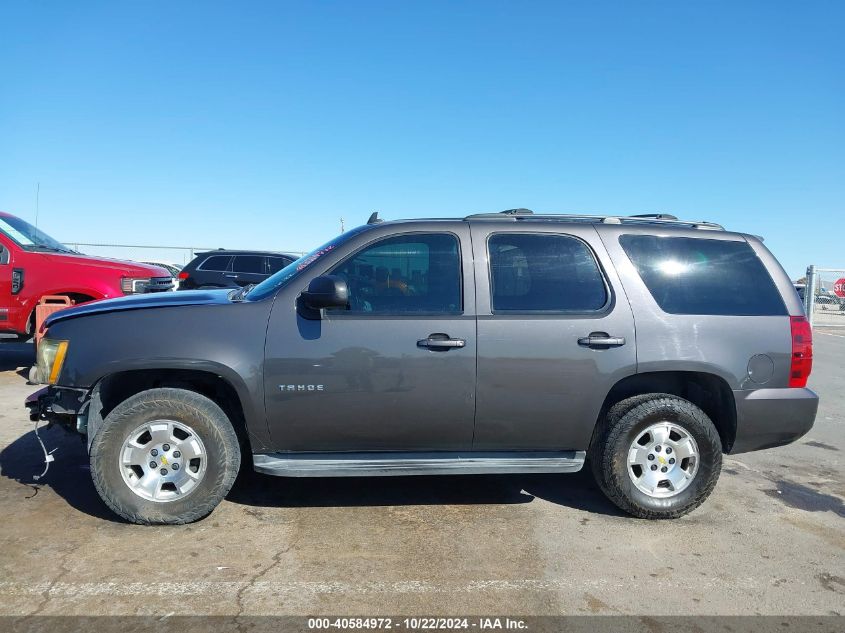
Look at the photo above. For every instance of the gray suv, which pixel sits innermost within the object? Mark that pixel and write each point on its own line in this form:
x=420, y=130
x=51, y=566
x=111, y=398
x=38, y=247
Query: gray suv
x=497, y=343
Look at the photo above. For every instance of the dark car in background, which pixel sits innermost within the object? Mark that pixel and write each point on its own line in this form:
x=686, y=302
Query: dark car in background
x=231, y=269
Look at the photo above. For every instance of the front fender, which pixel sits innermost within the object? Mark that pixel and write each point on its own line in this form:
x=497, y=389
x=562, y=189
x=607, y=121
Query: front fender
x=225, y=340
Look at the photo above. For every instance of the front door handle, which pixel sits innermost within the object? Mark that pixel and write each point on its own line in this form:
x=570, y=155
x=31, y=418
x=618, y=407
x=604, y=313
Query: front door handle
x=601, y=340
x=441, y=342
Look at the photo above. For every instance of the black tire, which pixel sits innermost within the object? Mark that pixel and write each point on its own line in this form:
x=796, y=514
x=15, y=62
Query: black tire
x=623, y=424
x=204, y=417
x=614, y=414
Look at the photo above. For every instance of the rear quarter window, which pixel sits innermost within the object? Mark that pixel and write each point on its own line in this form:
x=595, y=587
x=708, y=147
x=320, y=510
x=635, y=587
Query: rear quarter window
x=703, y=276
x=253, y=264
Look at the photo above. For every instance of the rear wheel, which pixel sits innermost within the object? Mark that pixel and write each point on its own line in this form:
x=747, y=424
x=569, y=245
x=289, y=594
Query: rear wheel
x=611, y=419
x=165, y=456
x=657, y=456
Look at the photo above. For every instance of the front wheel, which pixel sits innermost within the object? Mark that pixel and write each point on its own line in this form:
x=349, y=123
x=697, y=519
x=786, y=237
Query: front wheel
x=658, y=457
x=165, y=456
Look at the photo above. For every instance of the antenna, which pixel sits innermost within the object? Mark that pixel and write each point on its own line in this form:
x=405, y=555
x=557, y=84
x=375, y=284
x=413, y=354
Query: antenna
x=374, y=219
x=37, y=201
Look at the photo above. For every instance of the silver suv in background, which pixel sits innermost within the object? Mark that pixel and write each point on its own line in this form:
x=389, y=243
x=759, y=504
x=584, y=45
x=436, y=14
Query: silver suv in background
x=497, y=343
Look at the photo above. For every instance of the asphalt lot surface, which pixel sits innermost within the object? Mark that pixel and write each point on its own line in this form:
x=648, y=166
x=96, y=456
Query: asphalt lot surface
x=770, y=540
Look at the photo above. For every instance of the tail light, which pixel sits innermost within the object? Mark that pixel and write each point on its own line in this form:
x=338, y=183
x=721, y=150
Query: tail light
x=183, y=275
x=802, y=351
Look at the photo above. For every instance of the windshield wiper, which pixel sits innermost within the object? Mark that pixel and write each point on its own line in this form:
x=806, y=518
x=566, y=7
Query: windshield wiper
x=47, y=247
x=241, y=294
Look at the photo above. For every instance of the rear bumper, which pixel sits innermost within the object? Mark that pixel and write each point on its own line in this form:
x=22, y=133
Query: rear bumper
x=772, y=417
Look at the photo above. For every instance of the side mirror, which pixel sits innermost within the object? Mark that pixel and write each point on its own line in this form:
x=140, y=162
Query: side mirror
x=326, y=291
x=4, y=255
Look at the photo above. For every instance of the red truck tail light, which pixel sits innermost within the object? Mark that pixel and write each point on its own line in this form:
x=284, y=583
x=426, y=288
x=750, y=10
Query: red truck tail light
x=183, y=275
x=802, y=351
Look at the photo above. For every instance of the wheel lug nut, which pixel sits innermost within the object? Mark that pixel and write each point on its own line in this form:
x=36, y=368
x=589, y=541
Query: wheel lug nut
x=163, y=471
x=175, y=466
x=664, y=469
x=154, y=452
x=165, y=448
x=672, y=461
x=650, y=457
x=153, y=464
x=668, y=449
x=657, y=448
x=177, y=454
x=654, y=466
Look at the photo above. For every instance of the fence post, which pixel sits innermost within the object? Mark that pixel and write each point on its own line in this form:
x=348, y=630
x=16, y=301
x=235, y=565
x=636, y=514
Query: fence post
x=810, y=293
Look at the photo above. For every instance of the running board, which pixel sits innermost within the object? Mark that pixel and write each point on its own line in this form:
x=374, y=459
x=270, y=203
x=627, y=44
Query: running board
x=387, y=464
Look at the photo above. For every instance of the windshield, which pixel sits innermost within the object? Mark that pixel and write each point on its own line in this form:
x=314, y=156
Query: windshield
x=28, y=237
x=270, y=285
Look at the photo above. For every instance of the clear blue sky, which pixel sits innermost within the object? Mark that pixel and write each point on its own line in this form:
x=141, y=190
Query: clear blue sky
x=247, y=124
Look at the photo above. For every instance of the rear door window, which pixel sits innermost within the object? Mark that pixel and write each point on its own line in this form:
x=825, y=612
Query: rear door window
x=703, y=276
x=249, y=264
x=544, y=272
x=216, y=263
x=277, y=263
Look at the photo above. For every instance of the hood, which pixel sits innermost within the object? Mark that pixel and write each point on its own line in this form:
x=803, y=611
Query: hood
x=142, y=302
x=130, y=269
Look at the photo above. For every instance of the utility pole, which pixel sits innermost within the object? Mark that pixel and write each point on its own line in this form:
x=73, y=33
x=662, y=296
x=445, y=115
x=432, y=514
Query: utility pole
x=810, y=293
x=342, y=228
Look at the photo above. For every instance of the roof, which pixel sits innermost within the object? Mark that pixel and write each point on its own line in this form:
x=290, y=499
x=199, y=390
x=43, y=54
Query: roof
x=228, y=251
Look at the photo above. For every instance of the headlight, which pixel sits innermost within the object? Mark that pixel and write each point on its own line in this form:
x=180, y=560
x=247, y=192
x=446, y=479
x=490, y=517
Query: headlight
x=51, y=357
x=133, y=285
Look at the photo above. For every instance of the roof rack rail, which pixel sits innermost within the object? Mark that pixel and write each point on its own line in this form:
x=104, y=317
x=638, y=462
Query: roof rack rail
x=655, y=216
x=499, y=214
x=525, y=215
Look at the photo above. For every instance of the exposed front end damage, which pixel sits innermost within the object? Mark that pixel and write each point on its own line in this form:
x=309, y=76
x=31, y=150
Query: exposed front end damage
x=65, y=406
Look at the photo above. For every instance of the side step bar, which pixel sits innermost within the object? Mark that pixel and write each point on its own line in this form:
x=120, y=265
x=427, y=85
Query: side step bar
x=387, y=464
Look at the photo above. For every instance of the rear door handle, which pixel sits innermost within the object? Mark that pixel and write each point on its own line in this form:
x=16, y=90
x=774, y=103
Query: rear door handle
x=601, y=339
x=441, y=342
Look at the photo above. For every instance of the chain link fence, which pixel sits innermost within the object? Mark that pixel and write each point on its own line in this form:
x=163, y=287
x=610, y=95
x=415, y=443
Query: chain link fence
x=177, y=256
x=824, y=296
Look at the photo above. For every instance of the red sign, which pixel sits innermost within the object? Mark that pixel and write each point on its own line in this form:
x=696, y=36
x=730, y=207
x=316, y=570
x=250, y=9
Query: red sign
x=839, y=288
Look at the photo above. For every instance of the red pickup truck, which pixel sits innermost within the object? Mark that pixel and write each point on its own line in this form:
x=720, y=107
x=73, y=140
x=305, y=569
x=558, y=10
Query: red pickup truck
x=33, y=264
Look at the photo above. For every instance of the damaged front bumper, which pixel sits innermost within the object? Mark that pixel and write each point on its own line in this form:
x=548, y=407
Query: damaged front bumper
x=60, y=405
